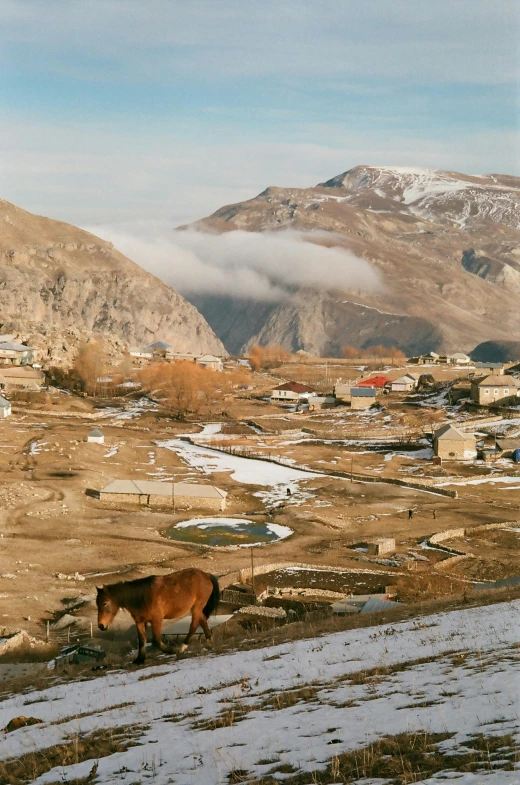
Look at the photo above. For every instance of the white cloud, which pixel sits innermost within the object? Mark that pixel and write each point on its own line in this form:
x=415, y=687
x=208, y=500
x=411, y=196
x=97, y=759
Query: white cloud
x=262, y=266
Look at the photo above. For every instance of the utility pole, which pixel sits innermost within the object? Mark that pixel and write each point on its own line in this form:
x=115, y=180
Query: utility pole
x=252, y=572
x=352, y=470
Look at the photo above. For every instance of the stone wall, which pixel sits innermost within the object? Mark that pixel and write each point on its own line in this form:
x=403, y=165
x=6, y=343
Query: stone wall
x=199, y=503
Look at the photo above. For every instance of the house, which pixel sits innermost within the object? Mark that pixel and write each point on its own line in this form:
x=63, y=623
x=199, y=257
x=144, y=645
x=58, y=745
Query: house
x=406, y=383
x=451, y=444
x=291, y=392
x=96, y=437
x=15, y=353
x=21, y=378
x=362, y=397
x=211, y=362
x=459, y=358
x=164, y=494
x=490, y=389
x=342, y=391
x=158, y=348
x=495, y=368
x=5, y=408
x=321, y=402
x=379, y=382
x=141, y=355
x=508, y=446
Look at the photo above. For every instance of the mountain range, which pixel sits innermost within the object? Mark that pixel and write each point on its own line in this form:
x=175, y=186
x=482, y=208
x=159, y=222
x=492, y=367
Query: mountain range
x=445, y=245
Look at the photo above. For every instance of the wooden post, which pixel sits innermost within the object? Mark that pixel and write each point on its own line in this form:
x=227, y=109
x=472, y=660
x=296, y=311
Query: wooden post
x=252, y=572
x=91, y=630
x=47, y=631
x=68, y=634
x=352, y=470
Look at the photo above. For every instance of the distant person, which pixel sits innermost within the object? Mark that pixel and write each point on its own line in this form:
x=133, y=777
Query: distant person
x=410, y=514
x=289, y=492
x=434, y=515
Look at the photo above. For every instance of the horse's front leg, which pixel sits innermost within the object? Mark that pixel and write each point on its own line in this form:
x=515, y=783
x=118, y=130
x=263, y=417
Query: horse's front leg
x=141, y=638
x=157, y=635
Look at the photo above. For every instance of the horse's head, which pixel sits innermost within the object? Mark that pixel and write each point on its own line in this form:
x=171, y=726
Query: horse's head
x=106, y=606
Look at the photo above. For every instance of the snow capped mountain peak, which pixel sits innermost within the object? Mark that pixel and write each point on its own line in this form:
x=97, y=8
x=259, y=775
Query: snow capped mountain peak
x=435, y=194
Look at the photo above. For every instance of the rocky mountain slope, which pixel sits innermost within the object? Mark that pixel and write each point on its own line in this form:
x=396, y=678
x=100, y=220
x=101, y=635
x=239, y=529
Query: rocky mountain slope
x=447, y=247
x=59, y=283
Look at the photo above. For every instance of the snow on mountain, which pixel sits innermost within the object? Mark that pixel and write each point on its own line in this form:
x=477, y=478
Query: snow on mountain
x=436, y=195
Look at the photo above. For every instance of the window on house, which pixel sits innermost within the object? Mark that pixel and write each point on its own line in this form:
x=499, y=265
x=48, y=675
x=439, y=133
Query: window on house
x=486, y=391
x=495, y=392
x=506, y=391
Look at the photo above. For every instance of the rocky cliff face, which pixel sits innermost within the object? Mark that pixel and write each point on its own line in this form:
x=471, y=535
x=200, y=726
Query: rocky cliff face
x=446, y=245
x=61, y=282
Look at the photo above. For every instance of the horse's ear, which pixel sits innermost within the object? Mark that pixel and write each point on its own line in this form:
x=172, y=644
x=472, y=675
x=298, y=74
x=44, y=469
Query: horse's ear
x=99, y=589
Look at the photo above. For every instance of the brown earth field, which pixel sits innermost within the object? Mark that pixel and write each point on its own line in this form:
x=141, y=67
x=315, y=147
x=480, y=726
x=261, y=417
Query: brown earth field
x=51, y=528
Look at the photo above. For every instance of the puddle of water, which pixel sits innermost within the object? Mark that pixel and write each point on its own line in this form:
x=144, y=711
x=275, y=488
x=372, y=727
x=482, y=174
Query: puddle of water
x=227, y=531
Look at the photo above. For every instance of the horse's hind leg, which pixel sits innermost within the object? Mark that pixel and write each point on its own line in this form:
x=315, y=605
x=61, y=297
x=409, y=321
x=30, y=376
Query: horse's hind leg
x=207, y=632
x=156, y=624
x=141, y=637
x=195, y=621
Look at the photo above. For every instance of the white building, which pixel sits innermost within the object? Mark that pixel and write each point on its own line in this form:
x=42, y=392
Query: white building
x=5, y=408
x=406, y=383
x=96, y=437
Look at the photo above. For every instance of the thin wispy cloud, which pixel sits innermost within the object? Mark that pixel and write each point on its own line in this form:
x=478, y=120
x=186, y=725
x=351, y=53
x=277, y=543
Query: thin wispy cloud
x=116, y=110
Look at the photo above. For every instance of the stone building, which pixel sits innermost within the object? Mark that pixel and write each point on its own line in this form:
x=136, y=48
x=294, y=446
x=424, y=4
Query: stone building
x=494, y=388
x=453, y=445
x=179, y=495
x=362, y=397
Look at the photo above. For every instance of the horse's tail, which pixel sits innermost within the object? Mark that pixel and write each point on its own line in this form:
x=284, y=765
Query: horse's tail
x=214, y=598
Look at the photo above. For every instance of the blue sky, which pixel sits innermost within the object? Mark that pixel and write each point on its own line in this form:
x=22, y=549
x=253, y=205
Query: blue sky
x=120, y=112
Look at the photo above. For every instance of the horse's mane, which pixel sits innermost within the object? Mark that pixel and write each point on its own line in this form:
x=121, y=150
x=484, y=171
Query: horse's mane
x=133, y=595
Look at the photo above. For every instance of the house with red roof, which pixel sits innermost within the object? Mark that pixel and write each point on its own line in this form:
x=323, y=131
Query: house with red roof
x=290, y=392
x=375, y=381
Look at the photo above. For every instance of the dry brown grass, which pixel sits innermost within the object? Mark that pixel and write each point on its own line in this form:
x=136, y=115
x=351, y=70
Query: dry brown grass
x=92, y=746
x=405, y=759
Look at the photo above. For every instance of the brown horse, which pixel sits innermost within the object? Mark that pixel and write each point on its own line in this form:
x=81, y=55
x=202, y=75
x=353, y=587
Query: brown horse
x=158, y=597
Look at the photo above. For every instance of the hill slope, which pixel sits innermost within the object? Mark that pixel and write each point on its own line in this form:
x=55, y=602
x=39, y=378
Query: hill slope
x=447, y=246
x=435, y=696
x=60, y=279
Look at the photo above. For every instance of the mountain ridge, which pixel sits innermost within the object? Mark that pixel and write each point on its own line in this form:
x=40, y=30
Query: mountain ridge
x=59, y=280
x=447, y=246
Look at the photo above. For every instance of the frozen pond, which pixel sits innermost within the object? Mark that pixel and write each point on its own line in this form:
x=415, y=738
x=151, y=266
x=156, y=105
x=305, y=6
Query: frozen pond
x=228, y=531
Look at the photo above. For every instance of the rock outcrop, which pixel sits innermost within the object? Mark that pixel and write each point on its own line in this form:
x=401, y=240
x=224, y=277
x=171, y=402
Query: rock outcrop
x=59, y=284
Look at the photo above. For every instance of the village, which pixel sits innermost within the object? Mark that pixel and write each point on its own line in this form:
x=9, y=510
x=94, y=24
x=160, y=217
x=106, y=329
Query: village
x=312, y=488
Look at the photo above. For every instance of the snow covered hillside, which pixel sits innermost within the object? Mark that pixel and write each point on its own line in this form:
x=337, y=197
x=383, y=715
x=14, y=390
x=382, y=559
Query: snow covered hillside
x=290, y=711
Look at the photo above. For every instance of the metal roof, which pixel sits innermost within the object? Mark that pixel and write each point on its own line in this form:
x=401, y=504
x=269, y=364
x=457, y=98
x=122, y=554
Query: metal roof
x=95, y=432
x=14, y=347
x=154, y=488
x=4, y=403
x=363, y=392
x=377, y=604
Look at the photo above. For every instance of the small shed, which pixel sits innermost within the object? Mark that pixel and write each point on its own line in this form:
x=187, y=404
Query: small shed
x=5, y=408
x=96, y=436
x=380, y=546
x=362, y=397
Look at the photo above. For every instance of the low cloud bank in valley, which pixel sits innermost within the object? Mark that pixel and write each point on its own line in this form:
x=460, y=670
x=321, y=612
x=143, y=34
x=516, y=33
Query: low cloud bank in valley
x=262, y=266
